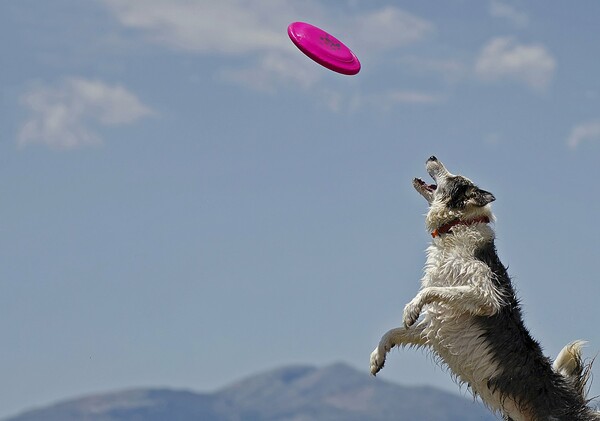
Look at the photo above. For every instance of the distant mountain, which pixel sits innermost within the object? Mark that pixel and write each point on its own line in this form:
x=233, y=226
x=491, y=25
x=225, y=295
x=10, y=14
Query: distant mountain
x=300, y=393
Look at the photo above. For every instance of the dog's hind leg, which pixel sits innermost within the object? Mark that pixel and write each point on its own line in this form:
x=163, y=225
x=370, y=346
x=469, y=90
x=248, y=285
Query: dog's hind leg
x=399, y=336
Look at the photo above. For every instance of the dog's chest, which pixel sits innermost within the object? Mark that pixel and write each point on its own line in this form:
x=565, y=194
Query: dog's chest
x=451, y=264
x=454, y=335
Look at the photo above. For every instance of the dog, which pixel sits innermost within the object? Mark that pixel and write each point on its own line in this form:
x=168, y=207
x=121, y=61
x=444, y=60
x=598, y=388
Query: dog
x=468, y=315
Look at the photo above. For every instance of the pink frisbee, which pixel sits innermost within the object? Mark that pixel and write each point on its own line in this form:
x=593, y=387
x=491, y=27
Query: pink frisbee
x=323, y=48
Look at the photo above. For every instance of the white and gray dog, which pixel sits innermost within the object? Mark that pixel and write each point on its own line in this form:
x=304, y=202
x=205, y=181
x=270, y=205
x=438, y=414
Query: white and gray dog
x=471, y=317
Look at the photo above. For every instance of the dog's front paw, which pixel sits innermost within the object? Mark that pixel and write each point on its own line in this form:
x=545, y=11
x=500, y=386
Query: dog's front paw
x=412, y=311
x=377, y=359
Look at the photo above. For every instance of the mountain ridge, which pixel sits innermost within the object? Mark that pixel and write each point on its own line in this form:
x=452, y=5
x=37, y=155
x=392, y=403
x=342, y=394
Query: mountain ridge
x=336, y=392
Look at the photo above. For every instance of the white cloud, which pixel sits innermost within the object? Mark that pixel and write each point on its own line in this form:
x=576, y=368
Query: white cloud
x=505, y=11
x=252, y=34
x=271, y=70
x=411, y=97
x=223, y=26
x=588, y=131
x=379, y=101
x=385, y=29
x=255, y=30
x=61, y=116
x=449, y=69
x=504, y=58
x=245, y=26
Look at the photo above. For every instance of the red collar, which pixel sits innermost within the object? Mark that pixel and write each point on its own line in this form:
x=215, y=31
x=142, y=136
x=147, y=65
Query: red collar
x=444, y=229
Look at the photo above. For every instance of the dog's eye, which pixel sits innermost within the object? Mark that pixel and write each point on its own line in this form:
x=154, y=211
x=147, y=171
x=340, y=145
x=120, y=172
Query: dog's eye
x=460, y=190
x=458, y=196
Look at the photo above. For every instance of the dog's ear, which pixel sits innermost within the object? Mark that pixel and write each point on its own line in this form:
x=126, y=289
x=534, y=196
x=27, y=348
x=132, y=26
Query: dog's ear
x=480, y=197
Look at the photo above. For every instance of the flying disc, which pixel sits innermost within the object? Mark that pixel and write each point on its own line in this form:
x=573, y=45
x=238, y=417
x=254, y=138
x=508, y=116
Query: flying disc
x=323, y=48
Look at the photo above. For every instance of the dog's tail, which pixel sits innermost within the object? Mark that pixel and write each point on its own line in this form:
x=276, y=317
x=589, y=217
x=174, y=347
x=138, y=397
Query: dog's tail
x=574, y=368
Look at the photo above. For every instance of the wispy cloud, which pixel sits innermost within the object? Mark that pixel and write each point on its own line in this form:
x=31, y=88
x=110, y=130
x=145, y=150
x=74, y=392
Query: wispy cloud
x=63, y=116
x=243, y=27
x=256, y=32
x=504, y=58
x=385, y=29
x=224, y=26
x=449, y=69
x=410, y=97
x=505, y=11
x=381, y=101
x=271, y=70
x=253, y=35
x=584, y=132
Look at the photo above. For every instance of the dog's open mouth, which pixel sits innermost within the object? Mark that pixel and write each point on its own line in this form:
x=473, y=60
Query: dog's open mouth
x=422, y=184
x=424, y=189
x=435, y=169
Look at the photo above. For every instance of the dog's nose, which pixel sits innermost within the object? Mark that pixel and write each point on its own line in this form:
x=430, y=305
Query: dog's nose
x=432, y=158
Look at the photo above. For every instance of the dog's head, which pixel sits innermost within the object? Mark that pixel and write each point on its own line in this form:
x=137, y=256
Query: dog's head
x=451, y=197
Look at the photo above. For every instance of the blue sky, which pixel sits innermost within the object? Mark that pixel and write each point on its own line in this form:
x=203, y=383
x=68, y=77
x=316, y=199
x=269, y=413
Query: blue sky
x=187, y=199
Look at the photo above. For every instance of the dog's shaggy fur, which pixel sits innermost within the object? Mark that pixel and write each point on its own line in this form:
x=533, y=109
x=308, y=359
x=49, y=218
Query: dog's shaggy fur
x=472, y=318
